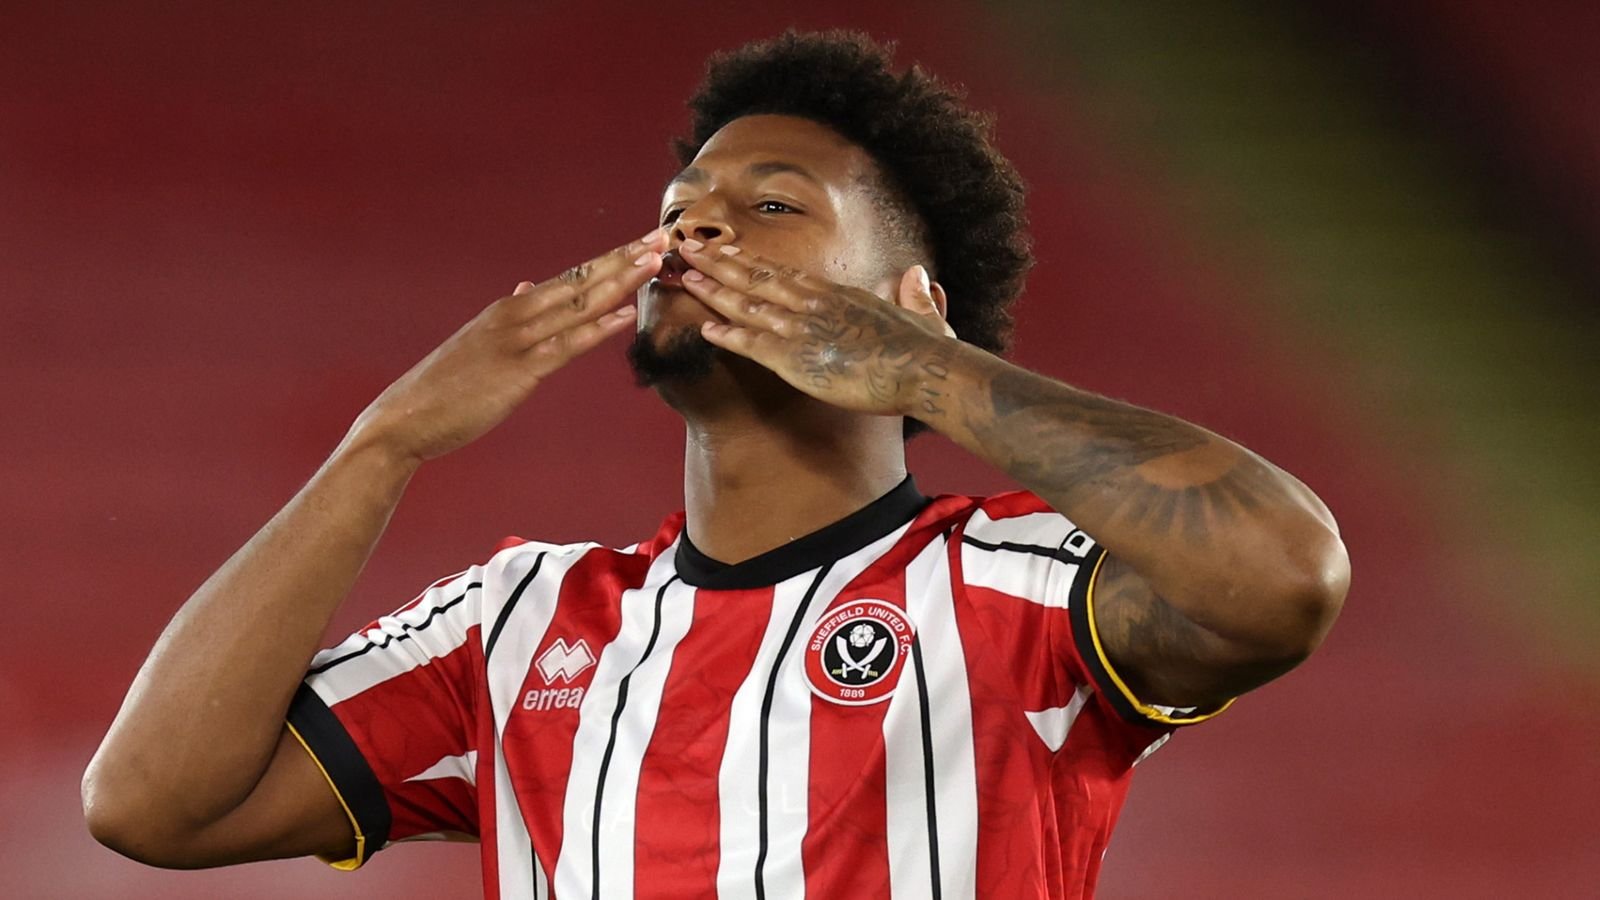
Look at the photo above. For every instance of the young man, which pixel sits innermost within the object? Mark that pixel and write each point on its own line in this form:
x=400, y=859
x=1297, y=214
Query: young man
x=814, y=681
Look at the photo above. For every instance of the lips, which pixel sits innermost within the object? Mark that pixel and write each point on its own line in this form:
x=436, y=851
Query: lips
x=672, y=268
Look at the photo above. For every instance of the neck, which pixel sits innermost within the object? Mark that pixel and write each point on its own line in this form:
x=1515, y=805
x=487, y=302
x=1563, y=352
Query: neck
x=754, y=483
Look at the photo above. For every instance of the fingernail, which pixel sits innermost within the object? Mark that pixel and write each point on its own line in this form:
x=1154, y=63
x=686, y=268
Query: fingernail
x=624, y=312
x=922, y=280
x=651, y=238
x=692, y=245
x=643, y=260
x=729, y=250
x=693, y=275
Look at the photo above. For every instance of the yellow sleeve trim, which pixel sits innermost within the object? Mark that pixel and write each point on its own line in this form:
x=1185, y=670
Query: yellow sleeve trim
x=354, y=862
x=1150, y=712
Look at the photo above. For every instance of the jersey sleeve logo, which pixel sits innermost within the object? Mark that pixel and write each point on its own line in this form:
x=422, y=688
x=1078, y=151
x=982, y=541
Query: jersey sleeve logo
x=855, y=654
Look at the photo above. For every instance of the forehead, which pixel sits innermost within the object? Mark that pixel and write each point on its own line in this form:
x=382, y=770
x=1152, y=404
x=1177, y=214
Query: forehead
x=818, y=149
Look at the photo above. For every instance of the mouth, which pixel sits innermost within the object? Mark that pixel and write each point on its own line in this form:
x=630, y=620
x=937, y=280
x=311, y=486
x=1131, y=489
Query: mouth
x=672, y=268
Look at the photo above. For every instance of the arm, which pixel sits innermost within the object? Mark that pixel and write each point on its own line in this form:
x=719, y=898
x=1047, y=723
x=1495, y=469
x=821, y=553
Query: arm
x=198, y=768
x=1224, y=572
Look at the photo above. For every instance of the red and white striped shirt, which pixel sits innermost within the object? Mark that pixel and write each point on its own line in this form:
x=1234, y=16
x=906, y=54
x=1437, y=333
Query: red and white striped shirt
x=910, y=702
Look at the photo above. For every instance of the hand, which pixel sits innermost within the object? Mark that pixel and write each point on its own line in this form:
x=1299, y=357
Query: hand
x=841, y=345
x=473, y=381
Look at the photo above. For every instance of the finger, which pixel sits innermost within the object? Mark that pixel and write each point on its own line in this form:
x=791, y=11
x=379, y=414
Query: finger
x=632, y=263
x=763, y=347
x=752, y=274
x=597, y=299
x=586, y=295
x=559, y=349
x=741, y=308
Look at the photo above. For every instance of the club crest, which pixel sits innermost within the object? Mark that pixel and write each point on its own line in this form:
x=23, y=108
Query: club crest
x=855, y=654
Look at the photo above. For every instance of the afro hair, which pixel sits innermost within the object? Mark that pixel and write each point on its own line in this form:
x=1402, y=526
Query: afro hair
x=934, y=153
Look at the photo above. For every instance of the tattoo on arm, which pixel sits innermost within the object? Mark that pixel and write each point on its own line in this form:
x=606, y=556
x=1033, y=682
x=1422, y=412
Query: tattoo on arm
x=1200, y=599
x=1163, y=655
x=1070, y=446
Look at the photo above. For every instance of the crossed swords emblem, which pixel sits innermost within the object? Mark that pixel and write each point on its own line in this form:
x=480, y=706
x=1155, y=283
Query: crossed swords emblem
x=851, y=664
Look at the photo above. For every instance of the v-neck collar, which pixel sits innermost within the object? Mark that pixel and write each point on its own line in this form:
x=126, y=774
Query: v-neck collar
x=802, y=554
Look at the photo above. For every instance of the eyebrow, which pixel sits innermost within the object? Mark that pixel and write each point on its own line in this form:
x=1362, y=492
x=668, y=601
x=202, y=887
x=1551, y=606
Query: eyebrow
x=693, y=175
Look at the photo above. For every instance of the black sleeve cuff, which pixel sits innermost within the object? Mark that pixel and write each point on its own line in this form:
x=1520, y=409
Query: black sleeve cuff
x=1080, y=606
x=347, y=771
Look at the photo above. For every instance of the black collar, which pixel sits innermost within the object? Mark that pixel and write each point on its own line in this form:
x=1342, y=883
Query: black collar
x=832, y=542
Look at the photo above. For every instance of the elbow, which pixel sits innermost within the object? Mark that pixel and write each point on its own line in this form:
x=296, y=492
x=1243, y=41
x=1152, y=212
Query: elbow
x=109, y=812
x=1316, y=576
x=121, y=821
x=105, y=811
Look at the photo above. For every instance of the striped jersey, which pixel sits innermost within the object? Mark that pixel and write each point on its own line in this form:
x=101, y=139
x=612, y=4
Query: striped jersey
x=911, y=702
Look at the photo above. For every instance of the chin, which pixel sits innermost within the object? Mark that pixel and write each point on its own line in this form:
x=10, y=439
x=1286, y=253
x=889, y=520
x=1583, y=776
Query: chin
x=671, y=353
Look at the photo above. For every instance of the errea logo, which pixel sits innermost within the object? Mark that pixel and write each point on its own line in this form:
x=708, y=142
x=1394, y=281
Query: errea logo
x=564, y=662
x=561, y=662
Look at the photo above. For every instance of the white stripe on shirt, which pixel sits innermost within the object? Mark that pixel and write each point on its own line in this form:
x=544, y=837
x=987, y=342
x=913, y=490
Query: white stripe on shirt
x=931, y=608
x=433, y=627
x=521, y=875
x=645, y=686
x=574, y=872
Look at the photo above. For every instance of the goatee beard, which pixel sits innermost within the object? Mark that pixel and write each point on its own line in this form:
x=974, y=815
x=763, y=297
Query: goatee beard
x=684, y=357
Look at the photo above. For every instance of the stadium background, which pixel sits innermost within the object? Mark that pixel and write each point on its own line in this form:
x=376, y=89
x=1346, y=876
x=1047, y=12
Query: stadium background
x=1359, y=237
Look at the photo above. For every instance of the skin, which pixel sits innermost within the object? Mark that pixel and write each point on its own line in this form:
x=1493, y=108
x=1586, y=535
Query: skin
x=198, y=769
x=1223, y=571
x=762, y=462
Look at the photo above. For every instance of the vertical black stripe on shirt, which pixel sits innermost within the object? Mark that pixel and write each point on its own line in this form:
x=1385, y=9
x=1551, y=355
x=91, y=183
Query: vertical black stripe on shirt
x=533, y=857
x=611, y=742
x=488, y=648
x=511, y=603
x=766, y=716
x=927, y=765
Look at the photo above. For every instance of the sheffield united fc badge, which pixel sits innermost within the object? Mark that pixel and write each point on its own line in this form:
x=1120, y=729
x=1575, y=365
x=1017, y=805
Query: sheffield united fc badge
x=855, y=654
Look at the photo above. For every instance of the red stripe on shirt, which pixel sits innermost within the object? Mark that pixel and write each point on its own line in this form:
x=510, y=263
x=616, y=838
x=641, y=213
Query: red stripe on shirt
x=1008, y=671
x=539, y=741
x=677, y=822
x=437, y=724
x=847, y=838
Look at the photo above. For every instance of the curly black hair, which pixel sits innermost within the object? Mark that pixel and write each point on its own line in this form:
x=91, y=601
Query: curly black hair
x=933, y=152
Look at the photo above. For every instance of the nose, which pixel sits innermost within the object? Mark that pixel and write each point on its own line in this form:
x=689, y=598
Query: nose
x=705, y=221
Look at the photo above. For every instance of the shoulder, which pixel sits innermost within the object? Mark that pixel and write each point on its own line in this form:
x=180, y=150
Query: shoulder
x=1010, y=520
x=518, y=559
x=513, y=547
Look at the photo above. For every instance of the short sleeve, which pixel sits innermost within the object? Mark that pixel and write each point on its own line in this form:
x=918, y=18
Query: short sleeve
x=1034, y=570
x=390, y=715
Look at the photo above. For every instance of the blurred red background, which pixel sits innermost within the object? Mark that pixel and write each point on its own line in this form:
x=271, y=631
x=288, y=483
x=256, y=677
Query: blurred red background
x=223, y=229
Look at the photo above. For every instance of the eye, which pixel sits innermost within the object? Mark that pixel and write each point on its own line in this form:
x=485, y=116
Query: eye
x=671, y=216
x=767, y=206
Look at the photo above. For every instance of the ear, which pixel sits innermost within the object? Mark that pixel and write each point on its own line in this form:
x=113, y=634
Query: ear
x=936, y=290
x=923, y=297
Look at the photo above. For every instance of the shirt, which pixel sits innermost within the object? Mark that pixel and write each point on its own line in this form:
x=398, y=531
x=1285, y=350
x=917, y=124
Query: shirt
x=911, y=702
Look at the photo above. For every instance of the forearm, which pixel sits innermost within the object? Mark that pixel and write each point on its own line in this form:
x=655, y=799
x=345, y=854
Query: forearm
x=202, y=718
x=1232, y=542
